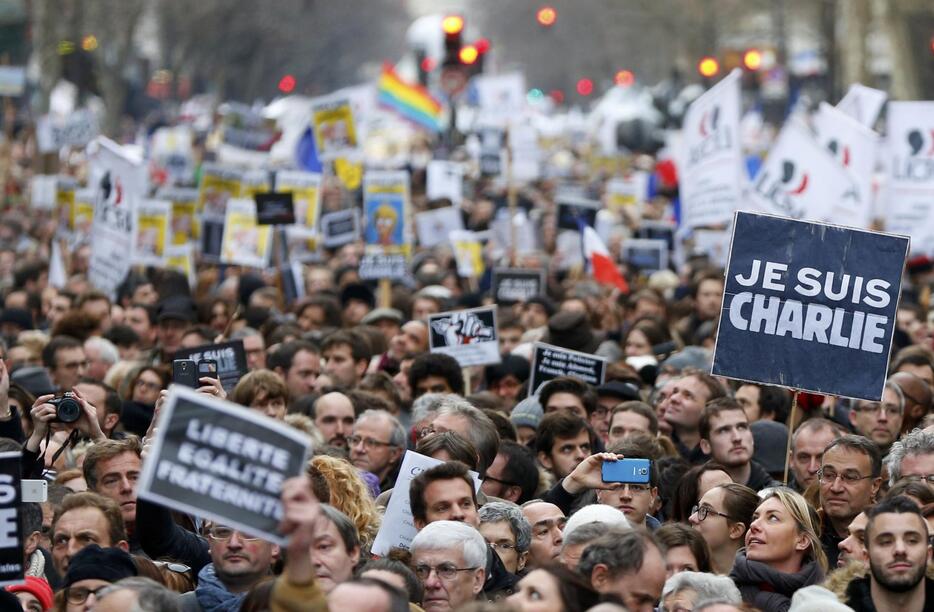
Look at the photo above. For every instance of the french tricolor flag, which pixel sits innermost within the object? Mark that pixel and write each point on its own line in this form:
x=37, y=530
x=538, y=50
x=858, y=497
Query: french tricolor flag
x=601, y=264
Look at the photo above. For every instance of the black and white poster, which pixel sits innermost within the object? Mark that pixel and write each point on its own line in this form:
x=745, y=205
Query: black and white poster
x=374, y=266
x=549, y=361
x=230, y=358
x=809, y=306
x=275, y=208
x=513, y=285
x=223, y=462
x=646, y=254
x=466, y=335
x=11, y=530
x=339, y=228
x=572, y=212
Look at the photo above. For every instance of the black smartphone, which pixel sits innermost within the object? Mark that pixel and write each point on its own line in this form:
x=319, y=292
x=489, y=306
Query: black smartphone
x=185, y=373
x=207, y=368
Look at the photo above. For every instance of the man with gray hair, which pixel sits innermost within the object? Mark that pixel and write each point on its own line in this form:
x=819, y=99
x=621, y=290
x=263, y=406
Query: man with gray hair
x=449, y=558
x=460, y=416
x=507, y=532
x=629, y=565
x=253, y=345
x=912, y=457
x=101, y=355
x=577, y=540
x=137, y=594
x=377, y=444
x=686, y=590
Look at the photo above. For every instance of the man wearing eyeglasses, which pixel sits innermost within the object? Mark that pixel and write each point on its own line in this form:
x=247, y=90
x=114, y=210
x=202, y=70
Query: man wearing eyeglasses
x=238, y=561
x=377, y=444
x=849, y=477
x=912, y=457
x=881, y=422
x=449, y=558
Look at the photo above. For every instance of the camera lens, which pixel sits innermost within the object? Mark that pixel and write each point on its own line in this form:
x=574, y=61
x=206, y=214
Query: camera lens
x=68, y=410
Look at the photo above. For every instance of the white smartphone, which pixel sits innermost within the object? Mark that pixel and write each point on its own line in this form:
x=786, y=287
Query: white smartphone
x=35, y=491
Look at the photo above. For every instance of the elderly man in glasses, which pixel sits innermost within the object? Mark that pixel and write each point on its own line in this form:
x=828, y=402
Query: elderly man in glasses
x=849, y=477
x=377, y=445
x=449, y=558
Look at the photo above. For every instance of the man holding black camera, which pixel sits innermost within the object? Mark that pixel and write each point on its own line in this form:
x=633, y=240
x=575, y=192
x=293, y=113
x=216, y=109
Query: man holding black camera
x=57, y=418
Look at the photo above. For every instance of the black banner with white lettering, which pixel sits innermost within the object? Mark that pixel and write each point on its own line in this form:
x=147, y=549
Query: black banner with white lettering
x=11, y=528
x=274, y=208
x=809, y=306
x=215, y=459
x=230, y=358
x=511, y=286
x=549, y=361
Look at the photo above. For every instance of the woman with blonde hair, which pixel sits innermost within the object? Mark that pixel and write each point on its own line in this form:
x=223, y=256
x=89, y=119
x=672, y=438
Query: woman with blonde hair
x=783, y=551
x=349, y=494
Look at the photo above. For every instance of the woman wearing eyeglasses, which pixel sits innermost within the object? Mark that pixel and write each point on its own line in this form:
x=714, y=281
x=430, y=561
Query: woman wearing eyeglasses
x=722, y=517
x=783, y=552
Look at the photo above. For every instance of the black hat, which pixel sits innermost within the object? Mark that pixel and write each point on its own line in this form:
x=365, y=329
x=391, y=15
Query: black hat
x=178, y=307
x=17, y=316
x=34, y=379
x=357, y=291
x=510, y=365
x=571, y=330
x=544, y=302
x=247, y=285
x=625, y=391
x=96, y=563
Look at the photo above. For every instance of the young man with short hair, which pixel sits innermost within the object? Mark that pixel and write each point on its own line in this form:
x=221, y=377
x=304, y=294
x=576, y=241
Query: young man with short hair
x=346, y=357
x=683, y=408
x=726, y=437
x=563, y=441
x=111, y=468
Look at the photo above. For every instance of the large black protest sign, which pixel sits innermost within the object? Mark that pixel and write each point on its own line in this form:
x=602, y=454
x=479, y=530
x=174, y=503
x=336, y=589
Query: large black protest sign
x=274, y=208
x=809, y=306
x=467, y=335
x=11, y=532
x=340, y=227
x=223, y=462
x=549, y=361
x=573, y=211
x=230, y=358
x=510, y=286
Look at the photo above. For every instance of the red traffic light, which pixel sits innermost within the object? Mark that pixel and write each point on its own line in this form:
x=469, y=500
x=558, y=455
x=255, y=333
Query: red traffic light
x=585, y=87
x=469, y=54
x=625, y=78
x=752, y=59
x=546, y=16
x=482, y=45
x=708, y=66
x=427, y=64
x=287, y=84
x=452, y=24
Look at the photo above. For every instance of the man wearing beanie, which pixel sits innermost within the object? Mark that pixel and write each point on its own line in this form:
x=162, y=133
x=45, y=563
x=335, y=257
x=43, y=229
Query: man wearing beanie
x=34, y=594
x=91, y=570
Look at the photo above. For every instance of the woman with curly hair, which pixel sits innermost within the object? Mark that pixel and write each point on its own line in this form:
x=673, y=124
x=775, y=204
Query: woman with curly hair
x=349, y=494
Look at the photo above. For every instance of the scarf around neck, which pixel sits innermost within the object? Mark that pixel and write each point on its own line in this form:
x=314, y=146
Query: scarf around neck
x=213, y=595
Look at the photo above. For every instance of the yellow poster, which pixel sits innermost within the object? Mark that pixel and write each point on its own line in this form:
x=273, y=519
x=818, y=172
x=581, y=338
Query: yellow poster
x=181, y=258
x=333, y=122
x=245, y=243
x=152, y=233
x=218, y=185
x=306, y=194
x=349, y=173
x=184, y=226
x=468, y=252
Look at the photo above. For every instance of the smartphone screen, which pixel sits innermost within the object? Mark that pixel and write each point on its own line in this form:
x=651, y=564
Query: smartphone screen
x=207, y=367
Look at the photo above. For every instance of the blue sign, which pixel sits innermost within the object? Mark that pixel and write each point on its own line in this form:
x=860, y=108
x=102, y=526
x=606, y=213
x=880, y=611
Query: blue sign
x=809, y=306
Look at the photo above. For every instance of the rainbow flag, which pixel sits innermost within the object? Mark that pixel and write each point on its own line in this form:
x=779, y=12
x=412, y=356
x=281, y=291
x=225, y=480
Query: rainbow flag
x=412, y=102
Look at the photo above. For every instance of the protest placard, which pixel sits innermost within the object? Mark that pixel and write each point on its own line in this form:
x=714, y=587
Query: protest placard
x=468, y=253
x=549, y=362
x=184, y=223
x=212, y=239
x=245, y=243
x=802, y=180
x=525, y=155
x=491, y=151
x=152, y=232
x=12, y=568
x=909, y=187
x=863, y=103
x=275, y=208
x=340, y=227
x=76, y=130
x=172, y=153
x=511, y=286
x=12, y=80
x=466, y=335
x=305, y=188
x=218, y=184
x=646, y=254
x=119, y=180
x=445, y=179
x=711, y=172
x=627, y=193
x=501, y=96
x=810, y=306
x=385, y=211
x=573, y=211
x=375, y=266
x=42, y=191
x=222, y=462
x=335, y=131
x=433, y=226
x=230, y=358
x=398, y=527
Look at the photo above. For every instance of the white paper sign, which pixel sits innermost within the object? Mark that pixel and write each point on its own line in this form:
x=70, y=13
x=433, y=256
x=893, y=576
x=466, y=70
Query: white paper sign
x=42, y=189
x=75, y=130
x=398, y=527
x=501, y=96
x=801, y=180
x=445, y=180
x=152, y=222
x=712, y=174
x=910, y=173
x=863, y=103
x=245, y=243
x=855, y=147
x=469, y=336
x=434, y=226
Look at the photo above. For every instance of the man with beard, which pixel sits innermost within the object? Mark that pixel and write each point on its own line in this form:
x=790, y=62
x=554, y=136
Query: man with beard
x=897, y=542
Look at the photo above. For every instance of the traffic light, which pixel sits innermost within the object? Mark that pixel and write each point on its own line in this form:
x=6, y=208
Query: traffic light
x=287, y=84
x=752, y=59
x=625, y=78
x=453, y=28
x=585, y=87
x=546, y=16
x=708, y=67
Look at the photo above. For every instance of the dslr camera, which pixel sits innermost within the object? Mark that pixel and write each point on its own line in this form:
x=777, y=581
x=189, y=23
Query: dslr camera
x=67, y=408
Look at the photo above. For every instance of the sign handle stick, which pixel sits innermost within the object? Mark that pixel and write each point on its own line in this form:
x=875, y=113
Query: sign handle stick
x=466, y=372
x=513, y=202
x=385, y=293
x=791, y=420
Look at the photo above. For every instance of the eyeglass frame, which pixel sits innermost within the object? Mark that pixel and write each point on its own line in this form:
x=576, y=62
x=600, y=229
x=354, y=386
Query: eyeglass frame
x=843, y=478
x=441, y=571
x=928, y=478
x=707, y=511
x=243, y=536
x=879, y=407
x=87, y=593
x=368, y=443
x=503, y=546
